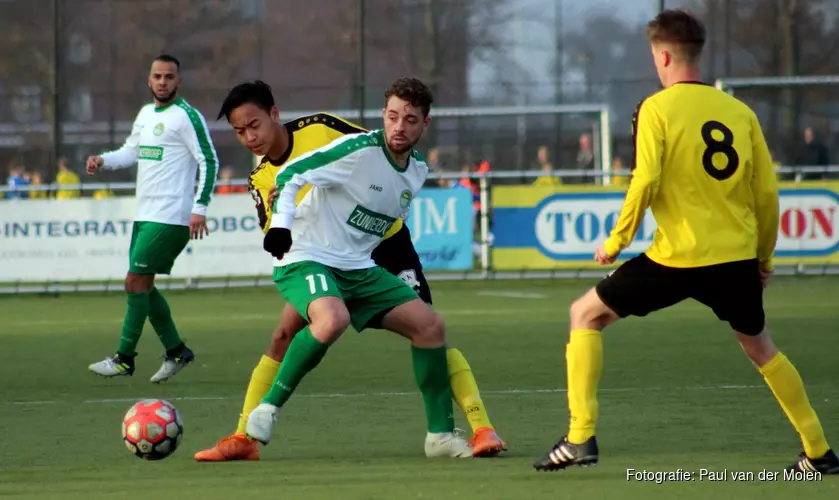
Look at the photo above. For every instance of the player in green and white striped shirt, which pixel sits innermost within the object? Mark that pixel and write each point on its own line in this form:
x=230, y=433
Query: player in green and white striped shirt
x=170, y=144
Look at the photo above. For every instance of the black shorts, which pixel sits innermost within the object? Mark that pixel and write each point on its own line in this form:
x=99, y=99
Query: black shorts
x=732, y=290
x=399, y=257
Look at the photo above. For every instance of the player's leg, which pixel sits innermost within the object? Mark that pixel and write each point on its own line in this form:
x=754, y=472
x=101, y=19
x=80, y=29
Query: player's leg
x=139, y=281
x=735, y=294
x=162, y=244
x=636, y=288
x=426, y=330
x=398, y=256
x=312, y=290
x=377, y=297
x=238, y=446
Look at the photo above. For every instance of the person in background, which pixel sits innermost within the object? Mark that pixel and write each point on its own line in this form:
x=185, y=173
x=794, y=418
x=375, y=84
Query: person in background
x=17, y=178
x=544, y=163
x=585, y=160
x=67, y=180
x=619, y=179
x=812, y=153
x=224, y=187
x=37, y=180
x=101, y=194
x=435, y=166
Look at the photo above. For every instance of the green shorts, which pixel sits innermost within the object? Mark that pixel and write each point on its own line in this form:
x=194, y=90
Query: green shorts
x=155, y=246
x=368, y=293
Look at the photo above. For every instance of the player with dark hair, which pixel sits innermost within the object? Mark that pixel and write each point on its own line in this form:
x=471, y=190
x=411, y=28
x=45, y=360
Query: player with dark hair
x=171, y=147
x=251, y=111
x=703, y=166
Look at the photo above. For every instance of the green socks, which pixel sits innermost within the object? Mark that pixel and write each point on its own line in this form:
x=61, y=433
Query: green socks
x=153, y=306
x=132, y=325
x=432, y=376
x=304, y=354
x=161, y=319
x=430, y=370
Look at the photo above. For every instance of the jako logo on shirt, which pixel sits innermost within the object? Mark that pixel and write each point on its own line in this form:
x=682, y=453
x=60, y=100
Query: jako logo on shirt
x=150, y=153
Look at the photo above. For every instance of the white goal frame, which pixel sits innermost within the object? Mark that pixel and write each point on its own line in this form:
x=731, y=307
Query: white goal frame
x=729, y=84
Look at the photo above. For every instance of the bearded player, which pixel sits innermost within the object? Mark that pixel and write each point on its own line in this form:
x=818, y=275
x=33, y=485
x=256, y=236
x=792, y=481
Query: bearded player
x=251, y=111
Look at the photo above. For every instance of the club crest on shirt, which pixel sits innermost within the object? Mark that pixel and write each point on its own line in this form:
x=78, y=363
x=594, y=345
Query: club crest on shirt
x=159, y=129
x=405, y=199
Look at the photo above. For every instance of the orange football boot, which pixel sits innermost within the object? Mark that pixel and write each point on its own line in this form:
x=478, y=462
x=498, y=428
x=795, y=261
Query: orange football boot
x=486, y=443
x=235, y=447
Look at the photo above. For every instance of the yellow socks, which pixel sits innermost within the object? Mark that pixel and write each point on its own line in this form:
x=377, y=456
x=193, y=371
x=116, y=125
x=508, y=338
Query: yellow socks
x=262, y=379
x=584, y=364
x=788, y=388
x=465, y=390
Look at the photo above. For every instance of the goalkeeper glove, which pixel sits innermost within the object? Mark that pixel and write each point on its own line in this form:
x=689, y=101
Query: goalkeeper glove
x=277, y=241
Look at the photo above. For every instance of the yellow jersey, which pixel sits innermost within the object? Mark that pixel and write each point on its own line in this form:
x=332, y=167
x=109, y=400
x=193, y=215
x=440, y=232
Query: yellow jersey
x=305, y=134
x=703, y=167
x=72, y=181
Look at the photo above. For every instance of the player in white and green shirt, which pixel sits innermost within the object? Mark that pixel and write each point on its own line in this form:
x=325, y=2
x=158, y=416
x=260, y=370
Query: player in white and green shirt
x=323, y=262
x=171, y=147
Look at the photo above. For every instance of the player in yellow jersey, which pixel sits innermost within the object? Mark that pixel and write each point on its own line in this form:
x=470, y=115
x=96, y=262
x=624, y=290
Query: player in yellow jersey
x=252, y=113
x=702, y=165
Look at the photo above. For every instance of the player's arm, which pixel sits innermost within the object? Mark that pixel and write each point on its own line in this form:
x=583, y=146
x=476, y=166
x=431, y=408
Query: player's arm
x=765, y=192
x=126, y=156
x=329, y=166
x=649, y=148
x=200, y=145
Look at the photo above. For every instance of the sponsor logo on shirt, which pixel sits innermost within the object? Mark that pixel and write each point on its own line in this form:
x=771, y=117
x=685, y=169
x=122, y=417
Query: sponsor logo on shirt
x=370, y=222
x=150, y=153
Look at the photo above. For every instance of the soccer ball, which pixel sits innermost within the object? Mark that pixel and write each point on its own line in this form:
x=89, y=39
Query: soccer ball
x=152, y=429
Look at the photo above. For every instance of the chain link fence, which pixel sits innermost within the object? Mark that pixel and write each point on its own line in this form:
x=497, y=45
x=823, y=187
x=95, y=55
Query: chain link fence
x=83, y=64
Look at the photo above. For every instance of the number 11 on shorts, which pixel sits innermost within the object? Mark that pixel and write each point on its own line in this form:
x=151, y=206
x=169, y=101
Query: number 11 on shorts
x=313, y=284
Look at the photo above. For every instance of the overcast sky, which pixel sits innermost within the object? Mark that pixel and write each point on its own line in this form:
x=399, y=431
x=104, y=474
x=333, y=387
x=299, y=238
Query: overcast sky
x=533, y=33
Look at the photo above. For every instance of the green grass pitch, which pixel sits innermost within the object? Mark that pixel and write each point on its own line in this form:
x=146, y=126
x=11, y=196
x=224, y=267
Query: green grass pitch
x=676, y=393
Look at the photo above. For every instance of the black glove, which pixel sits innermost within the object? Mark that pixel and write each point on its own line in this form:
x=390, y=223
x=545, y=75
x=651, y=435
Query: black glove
x=277, y=241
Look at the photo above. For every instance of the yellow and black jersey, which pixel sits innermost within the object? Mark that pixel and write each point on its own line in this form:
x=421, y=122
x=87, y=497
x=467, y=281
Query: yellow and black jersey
x=703, y=167
x=305, y=134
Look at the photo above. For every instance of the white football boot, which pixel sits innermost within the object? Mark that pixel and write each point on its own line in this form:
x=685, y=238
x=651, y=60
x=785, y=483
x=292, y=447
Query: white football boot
x=172, y=365
x=446, y=445
x=113, y=366
x=261, y=422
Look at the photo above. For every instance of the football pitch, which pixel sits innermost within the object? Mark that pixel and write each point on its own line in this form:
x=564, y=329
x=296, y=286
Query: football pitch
x=676, y=394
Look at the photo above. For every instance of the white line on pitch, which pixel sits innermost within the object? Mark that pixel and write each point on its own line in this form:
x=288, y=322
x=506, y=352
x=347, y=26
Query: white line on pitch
x=250, y=317
x=515, y=295
x=725, y=387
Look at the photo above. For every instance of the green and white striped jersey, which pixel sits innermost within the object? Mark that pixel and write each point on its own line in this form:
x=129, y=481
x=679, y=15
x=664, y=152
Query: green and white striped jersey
x=358, y=193
x=171, y=147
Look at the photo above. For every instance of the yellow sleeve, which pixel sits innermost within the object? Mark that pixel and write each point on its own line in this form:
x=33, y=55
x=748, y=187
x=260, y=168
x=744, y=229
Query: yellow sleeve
x=765, y=192
x=259, y=184
x=394, y=228
x=648, y=135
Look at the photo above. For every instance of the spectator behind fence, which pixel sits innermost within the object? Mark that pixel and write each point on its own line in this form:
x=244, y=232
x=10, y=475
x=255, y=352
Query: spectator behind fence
x=619, y=179
x=544, y=164
x=67, y=180
x=812, y=153
x=17, y=178
x=585, y=161
x=435, y=167
x=35, y=179
x=225, y=176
